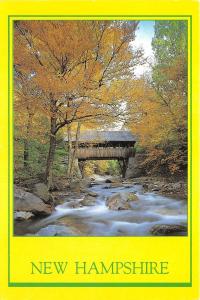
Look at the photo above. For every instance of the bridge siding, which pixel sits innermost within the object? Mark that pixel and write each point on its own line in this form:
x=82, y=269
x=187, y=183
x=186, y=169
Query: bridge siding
x=105, y=153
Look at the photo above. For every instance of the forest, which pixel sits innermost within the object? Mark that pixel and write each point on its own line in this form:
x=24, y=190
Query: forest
x=74, y=76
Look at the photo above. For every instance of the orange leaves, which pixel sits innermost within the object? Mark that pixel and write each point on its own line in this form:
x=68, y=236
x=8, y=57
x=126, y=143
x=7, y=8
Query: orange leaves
x=144, y=111
x=84, y=51
x=84, y=65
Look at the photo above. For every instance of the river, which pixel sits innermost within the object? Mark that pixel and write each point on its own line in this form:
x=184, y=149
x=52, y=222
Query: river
x=98, y=220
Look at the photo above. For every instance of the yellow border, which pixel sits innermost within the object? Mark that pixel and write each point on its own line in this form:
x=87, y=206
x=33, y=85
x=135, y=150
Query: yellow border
x=90, y=7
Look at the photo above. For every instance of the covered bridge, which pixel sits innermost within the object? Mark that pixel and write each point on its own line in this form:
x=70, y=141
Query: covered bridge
x=105, y=145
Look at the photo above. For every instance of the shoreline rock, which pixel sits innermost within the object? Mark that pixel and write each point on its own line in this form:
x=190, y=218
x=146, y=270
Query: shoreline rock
x=161, y=186
x=28, y=202
x=23, y=215
x=41, y=190
x=168, y=229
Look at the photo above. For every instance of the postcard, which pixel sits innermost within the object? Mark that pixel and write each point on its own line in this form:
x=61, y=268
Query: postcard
x=99, y=150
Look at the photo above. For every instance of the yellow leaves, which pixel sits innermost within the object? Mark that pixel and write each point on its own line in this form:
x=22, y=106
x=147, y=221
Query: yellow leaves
x=83, y=64
x=112, y=37
x=149, y=119
x=88, y=169
x=91, y=166
x=81, y=52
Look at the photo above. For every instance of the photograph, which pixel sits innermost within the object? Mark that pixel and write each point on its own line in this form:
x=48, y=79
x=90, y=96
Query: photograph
x=100, y=133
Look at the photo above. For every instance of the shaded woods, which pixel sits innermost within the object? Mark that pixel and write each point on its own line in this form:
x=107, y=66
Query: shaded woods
x=77, y=75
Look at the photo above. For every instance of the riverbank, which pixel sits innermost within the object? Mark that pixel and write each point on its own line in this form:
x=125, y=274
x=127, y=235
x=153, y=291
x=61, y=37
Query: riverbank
x=163, y=186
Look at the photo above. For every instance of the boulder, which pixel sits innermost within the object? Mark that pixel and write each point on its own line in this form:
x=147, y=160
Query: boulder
x=135, y=166
x=61, y=184
x=75, y=186
x=116, y=185
x=79, y=185
x=59, y=198
x=145, y=186
x=41, y=190
x=118, y=201
x=113, y=180
x=88, y=201
x=22, y=215
x=155, y=189
x=108, y=181
x=168, y=229
x=92, y=194
x=25, y=201
x=85, y=182
x=30, y=183
x=56, y=230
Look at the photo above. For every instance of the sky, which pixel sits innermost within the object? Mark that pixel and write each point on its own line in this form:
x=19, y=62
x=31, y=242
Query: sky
x=144, y=35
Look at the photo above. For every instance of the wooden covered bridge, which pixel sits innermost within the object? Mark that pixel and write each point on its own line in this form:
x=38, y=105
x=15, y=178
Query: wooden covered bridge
x=105, y=145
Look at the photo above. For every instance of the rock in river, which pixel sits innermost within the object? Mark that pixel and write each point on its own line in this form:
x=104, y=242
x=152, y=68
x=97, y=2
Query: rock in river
x=88, y=201
x=56, y=230
x=168, y=229
x=28, y=202
x=79, y=185
x=113, y=180
x=118, y=201
x=114, y=185
x=23, y=215
x=93, y=194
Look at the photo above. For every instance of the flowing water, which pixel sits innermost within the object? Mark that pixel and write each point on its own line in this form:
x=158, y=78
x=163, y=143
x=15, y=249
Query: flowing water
x=99, y=220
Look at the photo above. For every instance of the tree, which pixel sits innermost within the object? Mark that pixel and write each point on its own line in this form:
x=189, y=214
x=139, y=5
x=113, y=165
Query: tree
x=78, y=66
x=170, y=71
x=26, y=97
x=158, y=106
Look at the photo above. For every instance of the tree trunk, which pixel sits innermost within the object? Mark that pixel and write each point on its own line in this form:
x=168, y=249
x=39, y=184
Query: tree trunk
x=52, y=146
x=75, y=149
x=26, y=140
x=69, y=150
x=50, y=160
x=26, y=152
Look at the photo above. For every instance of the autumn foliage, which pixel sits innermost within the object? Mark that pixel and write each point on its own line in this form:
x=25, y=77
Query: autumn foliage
x=81, y=74
x=158, y=109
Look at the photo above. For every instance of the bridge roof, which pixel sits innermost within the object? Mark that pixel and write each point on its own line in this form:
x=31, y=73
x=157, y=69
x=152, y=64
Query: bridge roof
x=93, y=136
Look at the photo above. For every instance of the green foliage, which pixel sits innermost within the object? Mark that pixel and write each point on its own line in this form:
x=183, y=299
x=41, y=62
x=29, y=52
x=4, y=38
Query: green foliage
x=60, y=161
x=170, y=70
x=170, y=40
x=139, y=148
x=160, y=109
x=113, y=168
x=37, y=160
